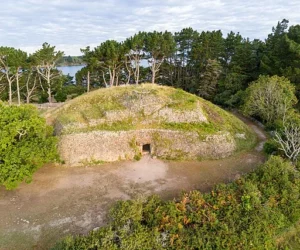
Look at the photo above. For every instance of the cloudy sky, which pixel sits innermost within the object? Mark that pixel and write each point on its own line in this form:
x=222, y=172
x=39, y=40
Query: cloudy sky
x=75, y=24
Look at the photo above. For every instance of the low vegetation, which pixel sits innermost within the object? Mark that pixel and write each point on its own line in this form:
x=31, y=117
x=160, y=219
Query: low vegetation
x=26, y=144
x=250, y=213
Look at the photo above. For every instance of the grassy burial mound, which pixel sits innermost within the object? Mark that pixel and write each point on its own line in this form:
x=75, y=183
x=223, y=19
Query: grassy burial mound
x=123, y=122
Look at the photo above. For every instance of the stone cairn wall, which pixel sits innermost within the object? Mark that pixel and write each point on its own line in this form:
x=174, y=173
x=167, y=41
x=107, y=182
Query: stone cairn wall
x=110, y=146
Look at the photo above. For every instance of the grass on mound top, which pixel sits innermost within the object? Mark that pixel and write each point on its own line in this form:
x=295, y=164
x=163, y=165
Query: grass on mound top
x=95, y=104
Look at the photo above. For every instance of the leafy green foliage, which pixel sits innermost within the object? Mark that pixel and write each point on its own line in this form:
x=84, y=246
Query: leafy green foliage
x=271, y=147
x=158, y=46
x=26, y=143
x=43, y=97
x=246, y=214
x=281, y=56
x=47, y=56
x=109, y=56
x=61, y=96
x=270, y=98
x=11, y=62
x=209, y=79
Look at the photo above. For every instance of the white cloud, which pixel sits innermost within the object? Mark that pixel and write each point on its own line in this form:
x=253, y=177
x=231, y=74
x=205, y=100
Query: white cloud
x=75, y=24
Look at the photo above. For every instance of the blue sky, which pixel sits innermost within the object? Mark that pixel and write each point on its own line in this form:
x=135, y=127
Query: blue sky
x=74, y=24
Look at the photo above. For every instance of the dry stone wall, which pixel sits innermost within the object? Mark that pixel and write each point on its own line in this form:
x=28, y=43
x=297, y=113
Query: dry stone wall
x=111, y=146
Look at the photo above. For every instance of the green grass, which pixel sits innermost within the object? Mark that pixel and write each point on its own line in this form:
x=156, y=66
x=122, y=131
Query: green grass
x=94, y=105
x=226, y=121
x=92, y=162
x=124, y=125
x=201, y=128
x=182, y=100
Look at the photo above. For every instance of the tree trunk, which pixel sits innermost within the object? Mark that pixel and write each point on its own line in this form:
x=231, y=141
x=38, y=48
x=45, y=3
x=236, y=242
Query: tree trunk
x=27, y=89
x=10, y=93
x=104, y=79
x=128, y=79
x=113, y=77
x=153, y=76
x=30, y=91
x=49, y=95
x=88, y=81
x=49, y=88
x=9, y=80
x=137, y=73
x=117, y=79
x=18, y=89
x=153, y=71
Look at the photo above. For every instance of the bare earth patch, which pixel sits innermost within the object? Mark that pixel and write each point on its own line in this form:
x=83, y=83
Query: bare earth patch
x=62, y=200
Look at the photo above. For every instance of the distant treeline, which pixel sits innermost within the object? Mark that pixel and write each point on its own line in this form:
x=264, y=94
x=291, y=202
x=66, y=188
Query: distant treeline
x=70, y=61
x=208, y=63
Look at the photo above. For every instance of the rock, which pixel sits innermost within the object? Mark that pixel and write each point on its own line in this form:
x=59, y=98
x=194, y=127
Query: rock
x=240, y=136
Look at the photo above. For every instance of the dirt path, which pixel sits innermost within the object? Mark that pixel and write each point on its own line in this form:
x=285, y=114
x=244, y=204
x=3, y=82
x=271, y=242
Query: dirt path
x=62, y=201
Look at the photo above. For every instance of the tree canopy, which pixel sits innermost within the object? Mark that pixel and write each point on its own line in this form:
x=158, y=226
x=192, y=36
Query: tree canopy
x=26, y=144
x=270, y=98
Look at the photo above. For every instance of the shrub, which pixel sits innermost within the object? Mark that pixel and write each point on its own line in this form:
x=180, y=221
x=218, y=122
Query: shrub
x=43, y=98
x=26, y=143
x=61, y=96
x=271, y=147
x=270, y=98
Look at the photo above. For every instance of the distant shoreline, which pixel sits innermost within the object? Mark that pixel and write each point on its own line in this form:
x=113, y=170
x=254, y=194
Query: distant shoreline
x=70, y=64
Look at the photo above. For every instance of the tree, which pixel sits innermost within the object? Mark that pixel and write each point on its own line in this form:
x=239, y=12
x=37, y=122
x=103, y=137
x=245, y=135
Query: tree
x=31, y=84
x=91, y=63
x=158, y=46
x=136, y=46
x=26, y=143
x=209, y=79
x=231, y=43
x=289, y=140
x=11, y=63
x=292, y=56
x=270, y=98
x=275, y=49
x=178, y=70
x=110, y=55
x=208, y=46
x=45, y=60
x=241, y=65
x=282, y=52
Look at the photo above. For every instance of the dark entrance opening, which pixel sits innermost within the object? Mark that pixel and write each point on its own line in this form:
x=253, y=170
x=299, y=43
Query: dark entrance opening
x=146, y=149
